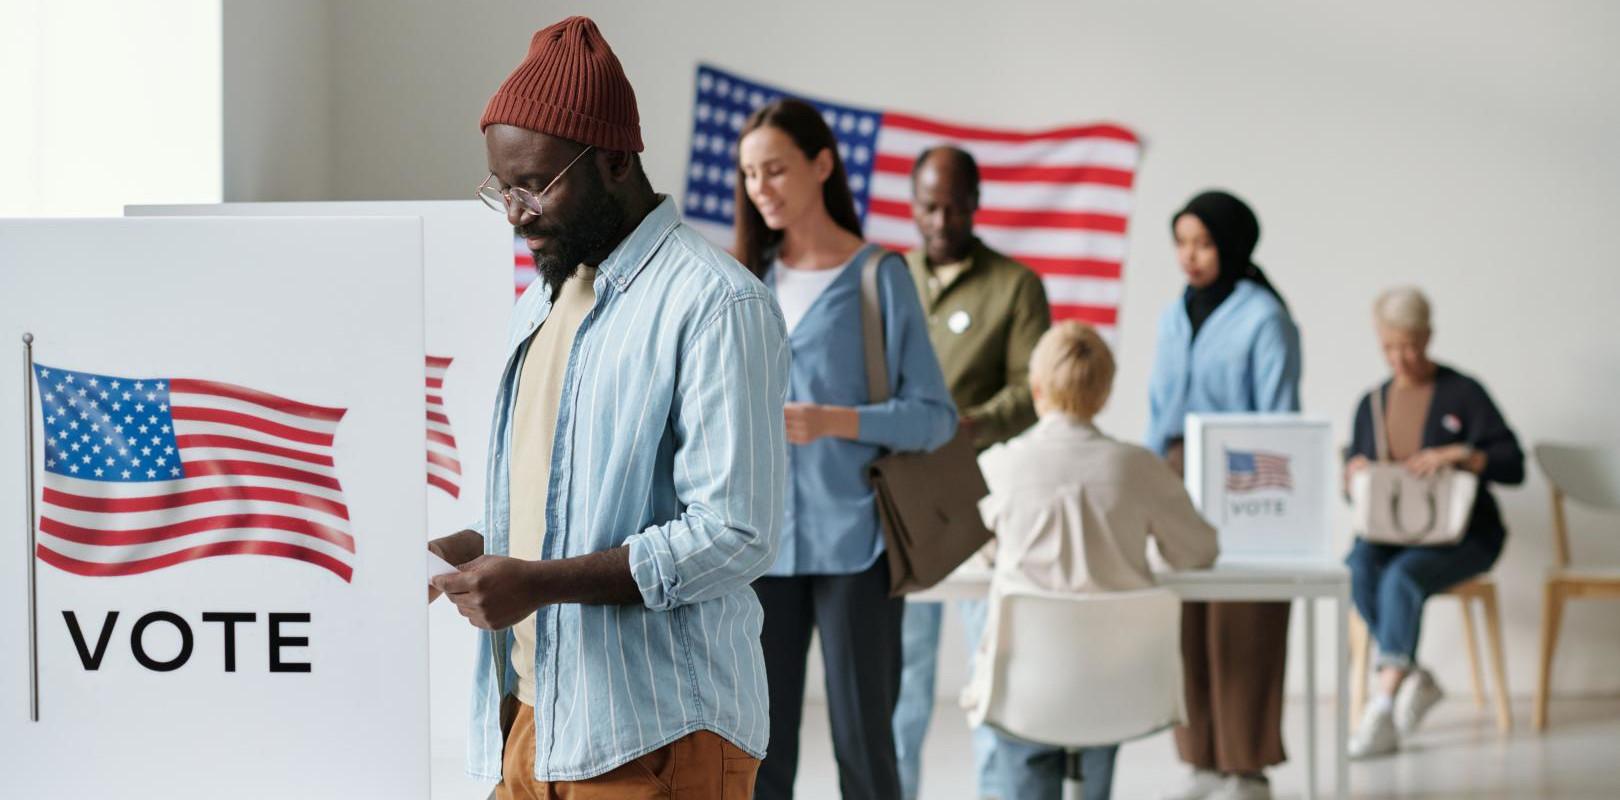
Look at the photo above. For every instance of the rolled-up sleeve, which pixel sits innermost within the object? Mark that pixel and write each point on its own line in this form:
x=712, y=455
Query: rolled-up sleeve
x=730, y=461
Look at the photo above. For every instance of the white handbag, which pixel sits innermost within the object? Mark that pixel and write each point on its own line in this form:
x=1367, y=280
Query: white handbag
x=1390, y=505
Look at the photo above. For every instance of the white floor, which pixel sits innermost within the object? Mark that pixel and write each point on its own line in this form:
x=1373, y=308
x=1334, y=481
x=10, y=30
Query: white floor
x=1458, y=754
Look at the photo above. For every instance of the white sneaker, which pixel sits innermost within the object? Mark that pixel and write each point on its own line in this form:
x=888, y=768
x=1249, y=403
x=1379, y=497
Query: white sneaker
x=1202, y=784
x=1417, y=694
x=1376, y=735
x=1241, y=787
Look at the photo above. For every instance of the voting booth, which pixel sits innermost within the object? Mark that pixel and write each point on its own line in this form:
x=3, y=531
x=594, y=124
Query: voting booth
x=225, y=501
x=469, y=278
x=1266, y=482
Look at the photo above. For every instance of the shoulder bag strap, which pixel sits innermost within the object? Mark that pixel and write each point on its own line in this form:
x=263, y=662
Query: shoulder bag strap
x=1380, y=436
x=877, y=363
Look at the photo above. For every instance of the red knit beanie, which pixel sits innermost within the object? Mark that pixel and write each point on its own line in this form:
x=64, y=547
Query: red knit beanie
x=570, y=85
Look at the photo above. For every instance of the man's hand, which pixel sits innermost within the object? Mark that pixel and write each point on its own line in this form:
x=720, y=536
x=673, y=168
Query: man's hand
x=458, y=548
x=807, y=422
x=493, y=592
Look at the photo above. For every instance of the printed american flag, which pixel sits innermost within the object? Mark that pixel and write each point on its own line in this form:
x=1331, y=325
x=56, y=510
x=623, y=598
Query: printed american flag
x=1248, y=471
x=142, y=474
x=523, y=271
x=443, y=462
x=1057, y=200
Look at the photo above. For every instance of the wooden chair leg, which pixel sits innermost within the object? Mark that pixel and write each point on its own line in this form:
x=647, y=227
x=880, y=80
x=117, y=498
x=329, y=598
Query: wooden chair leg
x=1493, y=633
x=1360, y=639
x=1552, y=612
x=1474, y=669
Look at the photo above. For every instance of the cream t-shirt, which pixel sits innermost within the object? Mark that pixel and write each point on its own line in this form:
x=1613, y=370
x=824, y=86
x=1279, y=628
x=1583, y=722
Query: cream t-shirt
x=534, y=428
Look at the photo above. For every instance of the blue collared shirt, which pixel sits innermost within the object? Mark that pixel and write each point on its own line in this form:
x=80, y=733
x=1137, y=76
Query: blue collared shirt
x=670, y=440
x=1244, y=358
x=831, y=526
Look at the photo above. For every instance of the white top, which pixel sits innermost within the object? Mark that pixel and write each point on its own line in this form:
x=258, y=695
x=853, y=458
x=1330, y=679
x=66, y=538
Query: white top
x=797, y=289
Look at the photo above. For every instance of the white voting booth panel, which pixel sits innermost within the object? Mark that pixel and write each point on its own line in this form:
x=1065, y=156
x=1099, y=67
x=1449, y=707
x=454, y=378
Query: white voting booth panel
x=1265, y=481
x=468, y=274
x=322, y=312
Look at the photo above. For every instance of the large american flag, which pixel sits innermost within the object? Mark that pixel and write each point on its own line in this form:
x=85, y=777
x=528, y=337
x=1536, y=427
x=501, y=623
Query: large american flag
x=1248, y=471
x=146, y=473
x=443, y=462
x=1058, y=200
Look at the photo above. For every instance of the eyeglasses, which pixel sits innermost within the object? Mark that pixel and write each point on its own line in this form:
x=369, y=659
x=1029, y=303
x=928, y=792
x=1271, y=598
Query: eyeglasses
x=517, y=198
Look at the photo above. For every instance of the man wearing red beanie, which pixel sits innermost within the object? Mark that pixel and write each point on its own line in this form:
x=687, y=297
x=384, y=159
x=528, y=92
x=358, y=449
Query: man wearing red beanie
x=638, y=466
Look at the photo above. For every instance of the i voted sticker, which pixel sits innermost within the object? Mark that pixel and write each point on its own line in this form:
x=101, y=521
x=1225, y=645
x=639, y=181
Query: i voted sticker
x=959, y=322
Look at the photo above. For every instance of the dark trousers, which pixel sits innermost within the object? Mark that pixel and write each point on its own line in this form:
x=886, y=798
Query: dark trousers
x=860, y=647
x=1234, y=656
x=1390, y=583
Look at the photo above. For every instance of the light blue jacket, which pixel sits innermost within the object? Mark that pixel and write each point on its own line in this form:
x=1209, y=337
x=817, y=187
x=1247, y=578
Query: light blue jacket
x=669, y=439
x=1245, y=358
x=831, y=525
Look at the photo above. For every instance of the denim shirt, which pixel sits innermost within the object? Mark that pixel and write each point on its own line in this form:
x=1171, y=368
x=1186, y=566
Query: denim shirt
x=670, y=440
x=1244, y=358
x=831, y=526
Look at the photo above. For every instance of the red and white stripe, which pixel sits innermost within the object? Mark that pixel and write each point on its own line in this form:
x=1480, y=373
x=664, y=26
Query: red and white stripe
x=259, y=479
x=443, y=462
x=1056, y=200
x=523, y=269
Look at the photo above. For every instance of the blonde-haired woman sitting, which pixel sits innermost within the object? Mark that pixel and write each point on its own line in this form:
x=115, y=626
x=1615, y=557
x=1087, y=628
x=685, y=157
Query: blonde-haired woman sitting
x=1072, y=510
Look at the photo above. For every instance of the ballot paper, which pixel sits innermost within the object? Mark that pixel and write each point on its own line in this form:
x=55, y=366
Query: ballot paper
x=437, y=566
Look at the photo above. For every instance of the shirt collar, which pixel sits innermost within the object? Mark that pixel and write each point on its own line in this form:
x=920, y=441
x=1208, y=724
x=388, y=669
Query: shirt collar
x=1061, y=421
x=918, y=260
x=626, y=261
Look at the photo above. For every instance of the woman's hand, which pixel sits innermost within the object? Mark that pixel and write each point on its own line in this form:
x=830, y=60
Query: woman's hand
x=807, y=422
x=1356, y=464
x=1430, y=460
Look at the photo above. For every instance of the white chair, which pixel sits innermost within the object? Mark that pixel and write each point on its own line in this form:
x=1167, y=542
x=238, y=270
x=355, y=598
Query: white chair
x=1591, y=477
x=1077, y=671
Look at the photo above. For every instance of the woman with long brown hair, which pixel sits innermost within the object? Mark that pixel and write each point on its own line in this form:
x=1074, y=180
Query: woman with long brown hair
x=797, y=228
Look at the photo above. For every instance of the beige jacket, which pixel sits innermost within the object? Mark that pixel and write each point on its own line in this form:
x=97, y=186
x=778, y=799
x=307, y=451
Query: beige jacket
x=1072, y=511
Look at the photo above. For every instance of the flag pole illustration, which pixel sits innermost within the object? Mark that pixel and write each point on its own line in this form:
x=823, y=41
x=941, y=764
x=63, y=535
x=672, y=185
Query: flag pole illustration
x=28, y=484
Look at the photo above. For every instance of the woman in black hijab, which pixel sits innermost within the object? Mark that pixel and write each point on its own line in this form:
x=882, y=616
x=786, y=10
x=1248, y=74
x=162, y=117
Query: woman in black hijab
x=1227, y=345
x=1234, y=231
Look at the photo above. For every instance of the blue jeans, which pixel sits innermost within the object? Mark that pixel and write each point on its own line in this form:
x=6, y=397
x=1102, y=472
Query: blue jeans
x=919, y=657
x=1035, y=771
x=1389, y=584
x=919, y=649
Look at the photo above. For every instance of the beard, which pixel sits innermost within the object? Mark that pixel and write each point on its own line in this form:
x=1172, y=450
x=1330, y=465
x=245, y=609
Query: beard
x=591, y=228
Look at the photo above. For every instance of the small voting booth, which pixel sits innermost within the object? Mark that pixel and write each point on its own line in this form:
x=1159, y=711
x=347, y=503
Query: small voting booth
x=469, y=278
x=223, y=560
x=1266, y=482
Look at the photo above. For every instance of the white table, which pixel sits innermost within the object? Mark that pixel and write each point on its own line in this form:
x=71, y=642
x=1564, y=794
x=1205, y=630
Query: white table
x=1279, y=581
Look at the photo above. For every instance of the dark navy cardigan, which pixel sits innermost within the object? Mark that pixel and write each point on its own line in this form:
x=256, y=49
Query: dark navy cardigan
x=1461, y=412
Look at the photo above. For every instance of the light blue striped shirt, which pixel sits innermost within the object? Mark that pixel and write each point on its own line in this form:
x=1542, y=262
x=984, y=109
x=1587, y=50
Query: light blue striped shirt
x=669, y=439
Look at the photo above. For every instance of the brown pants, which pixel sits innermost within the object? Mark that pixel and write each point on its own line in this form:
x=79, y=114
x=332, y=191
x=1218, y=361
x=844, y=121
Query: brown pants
x=698, y=766
x=1234, y=656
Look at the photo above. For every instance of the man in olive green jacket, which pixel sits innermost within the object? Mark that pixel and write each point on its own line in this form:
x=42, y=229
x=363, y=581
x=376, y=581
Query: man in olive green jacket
x=985, y=313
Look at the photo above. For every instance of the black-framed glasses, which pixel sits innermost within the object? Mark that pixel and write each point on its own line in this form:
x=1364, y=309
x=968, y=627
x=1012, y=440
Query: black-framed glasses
x=517, y=198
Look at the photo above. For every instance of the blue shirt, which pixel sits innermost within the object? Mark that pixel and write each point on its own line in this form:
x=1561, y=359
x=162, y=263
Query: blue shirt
x=1245, y=358
x=670, y=440
x=831, y=525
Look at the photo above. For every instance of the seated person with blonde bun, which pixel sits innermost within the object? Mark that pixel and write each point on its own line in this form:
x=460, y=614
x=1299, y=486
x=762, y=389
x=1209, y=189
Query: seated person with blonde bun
x=1072, y=510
